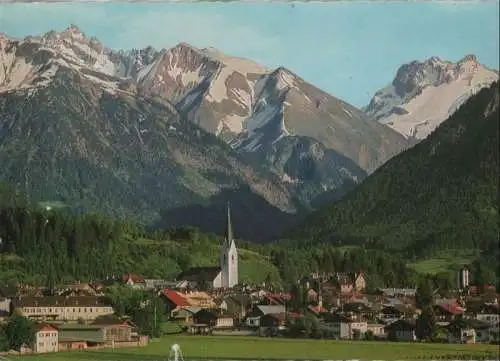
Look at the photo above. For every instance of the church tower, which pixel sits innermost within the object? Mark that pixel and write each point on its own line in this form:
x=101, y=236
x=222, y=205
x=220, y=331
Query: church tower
x=229, y=256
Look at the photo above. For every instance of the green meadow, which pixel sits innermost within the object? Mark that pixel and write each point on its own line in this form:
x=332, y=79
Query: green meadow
x=244, y=347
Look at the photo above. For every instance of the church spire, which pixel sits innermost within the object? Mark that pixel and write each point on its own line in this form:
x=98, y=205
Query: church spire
x=229, y=228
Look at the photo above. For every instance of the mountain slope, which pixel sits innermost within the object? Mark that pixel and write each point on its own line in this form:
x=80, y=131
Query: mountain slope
x=424, y=94
x=124, y=126
x=254, y=108
x=443, y=193
x=244, y=103
x=99, y=148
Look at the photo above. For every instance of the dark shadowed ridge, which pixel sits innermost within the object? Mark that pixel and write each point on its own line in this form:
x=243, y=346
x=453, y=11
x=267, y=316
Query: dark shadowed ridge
x=441, y=193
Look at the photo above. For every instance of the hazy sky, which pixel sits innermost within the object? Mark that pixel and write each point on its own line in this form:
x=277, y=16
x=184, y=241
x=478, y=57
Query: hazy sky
x=347, y=49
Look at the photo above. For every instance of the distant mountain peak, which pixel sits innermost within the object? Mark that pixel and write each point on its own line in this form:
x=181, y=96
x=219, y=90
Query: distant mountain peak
x=424, y=93
x=72, y=32
x=186, y=46
x=468, y=58
x=73, y=29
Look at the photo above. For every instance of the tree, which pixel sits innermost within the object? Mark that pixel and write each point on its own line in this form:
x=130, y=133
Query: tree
x=125, y=300
x=150, y=317
x=426, y=325
x=424, y=294
x=313, y=327
x=299, y=297
x=19, y=330
x=4, y=343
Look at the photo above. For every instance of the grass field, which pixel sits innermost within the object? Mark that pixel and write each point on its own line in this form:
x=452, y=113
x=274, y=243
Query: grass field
x=443, y=263
x=243, y=347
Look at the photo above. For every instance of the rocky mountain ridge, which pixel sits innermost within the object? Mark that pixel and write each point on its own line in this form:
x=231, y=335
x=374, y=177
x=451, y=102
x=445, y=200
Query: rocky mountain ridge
x=423, y=94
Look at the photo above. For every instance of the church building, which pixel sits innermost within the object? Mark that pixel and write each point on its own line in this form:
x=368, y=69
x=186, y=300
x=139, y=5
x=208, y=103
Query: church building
x=223, y=276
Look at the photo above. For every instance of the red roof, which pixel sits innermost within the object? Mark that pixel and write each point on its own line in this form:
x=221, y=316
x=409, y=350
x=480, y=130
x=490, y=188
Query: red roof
x=317, y=309
x=132, y=276
x=175, y=297
x=453, y=309
x=45, y=327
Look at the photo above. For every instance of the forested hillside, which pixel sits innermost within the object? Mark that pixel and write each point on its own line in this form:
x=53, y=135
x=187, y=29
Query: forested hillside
x=440, y=195
x=49, y=247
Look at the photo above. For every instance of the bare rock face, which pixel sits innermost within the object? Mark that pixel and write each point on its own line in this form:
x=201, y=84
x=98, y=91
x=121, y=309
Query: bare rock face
x=424, y=94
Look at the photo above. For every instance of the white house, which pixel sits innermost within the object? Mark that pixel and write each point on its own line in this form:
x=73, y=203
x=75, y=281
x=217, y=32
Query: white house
x=345, y=328
x=46, y=339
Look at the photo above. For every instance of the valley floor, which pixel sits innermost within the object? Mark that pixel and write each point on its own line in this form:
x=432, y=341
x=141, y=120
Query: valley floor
x=218, y=347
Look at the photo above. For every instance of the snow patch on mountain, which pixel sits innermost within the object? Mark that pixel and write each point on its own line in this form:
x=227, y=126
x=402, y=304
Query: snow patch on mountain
x=285, y=80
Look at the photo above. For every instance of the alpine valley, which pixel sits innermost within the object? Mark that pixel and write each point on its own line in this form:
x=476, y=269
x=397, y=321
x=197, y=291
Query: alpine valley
x=167, y=137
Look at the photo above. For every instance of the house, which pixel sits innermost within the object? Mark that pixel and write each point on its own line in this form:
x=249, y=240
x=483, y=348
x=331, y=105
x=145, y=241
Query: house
x=273, y=320
x=377, y=330
x=184, y=315
x=46, y=338
x=236, y=305
x=461, y=330
x=225, y=275
x=82, y=336
x=312, y=295
x=201, y=277
x=58, y=308
x=389, y=314
x=205, y=317
x=199, y=299
x=344, y=282
x=117, y=330
x=78, y=289
x=134, y=280
x=344, y=327
x=359, y=282
x=398, y=292
x=224, y=321
x=271, y=299
x=5, y=306
x=447, y=312
x=155, y=284
x=213, y=319
x=173, y=300
x=271, y=324
x=488, y=313
x=358, y=308
x=253, y=317
x=401, y=330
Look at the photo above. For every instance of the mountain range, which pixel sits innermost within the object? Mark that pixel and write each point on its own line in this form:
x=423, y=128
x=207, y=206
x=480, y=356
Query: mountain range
x=167, y=137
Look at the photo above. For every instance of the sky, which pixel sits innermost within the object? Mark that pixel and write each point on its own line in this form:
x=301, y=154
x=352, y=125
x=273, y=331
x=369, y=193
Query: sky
x=349, y=50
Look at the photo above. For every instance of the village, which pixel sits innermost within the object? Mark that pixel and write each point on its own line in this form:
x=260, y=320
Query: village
x=211, y=301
